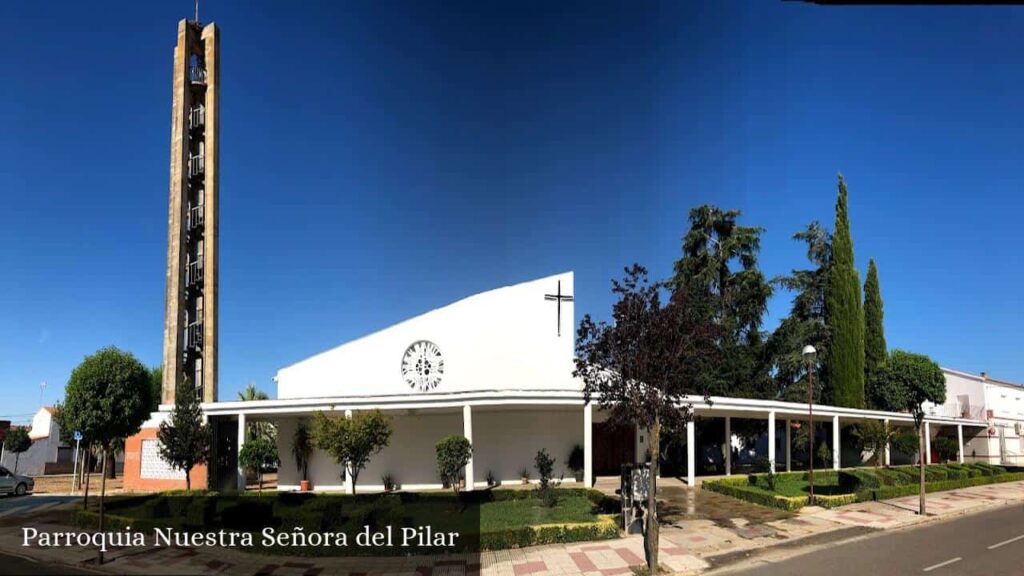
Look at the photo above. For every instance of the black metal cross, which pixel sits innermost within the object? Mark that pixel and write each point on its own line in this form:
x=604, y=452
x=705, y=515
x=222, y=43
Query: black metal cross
x=559, y=297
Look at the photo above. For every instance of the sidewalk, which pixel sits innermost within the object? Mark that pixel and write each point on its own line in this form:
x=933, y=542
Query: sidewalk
x=687, y=546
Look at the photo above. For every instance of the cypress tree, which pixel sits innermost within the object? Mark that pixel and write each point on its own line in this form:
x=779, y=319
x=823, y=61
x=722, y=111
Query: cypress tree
x=874, y=331
x=844, y=314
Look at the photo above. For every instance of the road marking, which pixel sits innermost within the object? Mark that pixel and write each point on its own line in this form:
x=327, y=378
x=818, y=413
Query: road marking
x=946, y=563
x=1005, y=542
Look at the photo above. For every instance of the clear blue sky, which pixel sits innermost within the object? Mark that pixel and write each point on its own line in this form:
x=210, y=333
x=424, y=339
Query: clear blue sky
x=382, y=159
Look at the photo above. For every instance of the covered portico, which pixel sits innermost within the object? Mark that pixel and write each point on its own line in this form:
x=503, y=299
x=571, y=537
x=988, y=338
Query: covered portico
x=775, y=413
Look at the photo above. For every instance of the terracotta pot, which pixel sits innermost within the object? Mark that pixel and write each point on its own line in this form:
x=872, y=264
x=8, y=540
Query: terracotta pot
x=578, y=476
x=526, y=480
x=305, y=486
x=462, y=484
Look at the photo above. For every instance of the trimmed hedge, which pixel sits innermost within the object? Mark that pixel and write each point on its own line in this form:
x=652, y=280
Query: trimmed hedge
x=606, y=528
x=865, y=484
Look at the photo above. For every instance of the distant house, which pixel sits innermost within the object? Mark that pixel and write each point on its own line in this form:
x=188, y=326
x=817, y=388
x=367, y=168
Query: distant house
x=46, y=454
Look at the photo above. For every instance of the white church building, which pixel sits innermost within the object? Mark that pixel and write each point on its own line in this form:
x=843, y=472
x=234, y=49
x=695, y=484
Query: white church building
x=497, y=368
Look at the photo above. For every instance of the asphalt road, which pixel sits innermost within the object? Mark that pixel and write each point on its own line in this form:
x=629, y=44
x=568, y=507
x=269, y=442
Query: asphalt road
x=988, y=543
x=21, y=506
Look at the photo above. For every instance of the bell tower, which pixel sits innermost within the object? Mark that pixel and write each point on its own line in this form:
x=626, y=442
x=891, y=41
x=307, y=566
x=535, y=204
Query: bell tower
x=190, y=321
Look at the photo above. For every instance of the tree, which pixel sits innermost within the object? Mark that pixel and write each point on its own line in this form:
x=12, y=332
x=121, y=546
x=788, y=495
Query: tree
x=184, y=438
x=263, y=429
x=844, y=315
x=914, y=379
x=719, y=263
x=156, y=387
x=302, y=448
x=875, y=351
x=18, y=441
x=259, y=455
x=947, y=448
x=107, y=398
x=453, y=454
x=875, y=437
x=806, y=321
x=353, y=441
x=641, y=367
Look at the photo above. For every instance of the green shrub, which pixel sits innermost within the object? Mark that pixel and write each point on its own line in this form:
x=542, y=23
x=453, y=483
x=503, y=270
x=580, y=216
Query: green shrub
x=605, y=528
x=453, y=454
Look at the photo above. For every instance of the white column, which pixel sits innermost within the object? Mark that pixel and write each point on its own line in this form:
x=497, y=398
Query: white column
x=771, y=441
x=888, y=452
x=927, y=443
x=836, y=444
x=588, y=445
x=348, y=470
x=467, y=431
x=241, y=441
x=691, y=453
x=728, y=445
x=789, y=448
x=960, y=438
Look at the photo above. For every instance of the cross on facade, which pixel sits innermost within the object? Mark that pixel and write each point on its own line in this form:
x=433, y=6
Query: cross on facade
x=559, y=298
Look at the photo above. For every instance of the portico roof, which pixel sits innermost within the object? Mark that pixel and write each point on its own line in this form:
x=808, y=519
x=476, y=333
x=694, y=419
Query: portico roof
x=715, y=406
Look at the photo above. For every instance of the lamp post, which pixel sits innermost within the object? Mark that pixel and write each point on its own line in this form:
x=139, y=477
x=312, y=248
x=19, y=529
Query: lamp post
x=809, y=353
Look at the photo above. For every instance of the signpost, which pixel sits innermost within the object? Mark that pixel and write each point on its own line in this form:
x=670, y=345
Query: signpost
x=74, y=482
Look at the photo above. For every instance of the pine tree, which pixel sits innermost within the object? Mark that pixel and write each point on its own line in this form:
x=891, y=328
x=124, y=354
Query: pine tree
x=185, y=440
x=875, y=351
x=844, y=314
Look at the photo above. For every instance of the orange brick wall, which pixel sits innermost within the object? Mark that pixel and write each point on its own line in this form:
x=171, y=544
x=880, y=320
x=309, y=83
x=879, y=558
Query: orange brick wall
x=133, y=468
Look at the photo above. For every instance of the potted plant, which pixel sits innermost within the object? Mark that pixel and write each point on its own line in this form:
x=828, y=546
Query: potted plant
x=575, y=462
x=302, y=449
x=524, y=474
x=389, y=483
x=491, y=480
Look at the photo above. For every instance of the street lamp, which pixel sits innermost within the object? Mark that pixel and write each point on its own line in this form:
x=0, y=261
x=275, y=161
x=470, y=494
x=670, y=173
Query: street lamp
x=809, y=354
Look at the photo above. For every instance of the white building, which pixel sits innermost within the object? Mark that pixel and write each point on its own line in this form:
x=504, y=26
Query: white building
x=46, y=452
x=497, y=368
x=999, y=403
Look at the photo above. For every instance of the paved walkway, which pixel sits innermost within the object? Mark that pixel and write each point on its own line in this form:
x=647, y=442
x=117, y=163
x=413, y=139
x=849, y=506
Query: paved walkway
x=691, y=541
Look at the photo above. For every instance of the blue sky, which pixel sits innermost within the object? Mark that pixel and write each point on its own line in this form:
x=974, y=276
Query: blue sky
x=381, y=159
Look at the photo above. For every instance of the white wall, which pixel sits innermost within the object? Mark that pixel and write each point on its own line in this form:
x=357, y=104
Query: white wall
x=411, y=457
x=505, y=441
x=504, y=339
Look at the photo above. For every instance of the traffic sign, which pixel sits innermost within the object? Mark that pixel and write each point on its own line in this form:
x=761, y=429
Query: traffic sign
x=77, y=436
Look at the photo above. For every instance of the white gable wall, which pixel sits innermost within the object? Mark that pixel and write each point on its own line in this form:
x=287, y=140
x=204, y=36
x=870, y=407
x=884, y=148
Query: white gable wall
x=504, y=339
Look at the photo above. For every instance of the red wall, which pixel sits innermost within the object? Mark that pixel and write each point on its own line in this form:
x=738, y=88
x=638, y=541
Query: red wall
x=133, y=468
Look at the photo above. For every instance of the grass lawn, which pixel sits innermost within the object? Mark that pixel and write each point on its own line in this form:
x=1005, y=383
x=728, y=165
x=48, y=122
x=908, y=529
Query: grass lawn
x=511, y=514
x=485, y=520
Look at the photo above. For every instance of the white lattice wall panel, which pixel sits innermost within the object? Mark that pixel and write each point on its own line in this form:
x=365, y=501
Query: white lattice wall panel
x=154, y=467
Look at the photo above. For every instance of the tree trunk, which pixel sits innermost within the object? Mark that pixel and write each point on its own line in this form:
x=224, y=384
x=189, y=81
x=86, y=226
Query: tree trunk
x=103, y=493
x=188, y=480
x=17, y=456
x=920, y=462
x=259, y=479
x=651, y=533
x=88, y=476
x=355, y=478
x=113, y=465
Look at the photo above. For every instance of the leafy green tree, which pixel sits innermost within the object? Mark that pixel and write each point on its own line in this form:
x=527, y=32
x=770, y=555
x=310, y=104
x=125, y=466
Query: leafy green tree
x=259, y=455
x=947, y=448
x=874, y=437
x=914, y=379
x=719, y=263
x=107, y=398
x=453, y=454
x=875, y=351
x=156, y=387
x=844, y=315
x=184, y=438
x=641, y=366
x=353, y=441
x=806, y=321
x=17, y=441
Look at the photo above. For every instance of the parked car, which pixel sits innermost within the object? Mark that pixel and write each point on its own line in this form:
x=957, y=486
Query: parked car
x=11, y=483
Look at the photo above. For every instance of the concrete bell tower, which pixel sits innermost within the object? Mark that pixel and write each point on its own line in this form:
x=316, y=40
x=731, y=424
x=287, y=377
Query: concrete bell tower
x=190, y=321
